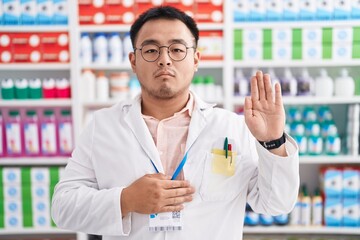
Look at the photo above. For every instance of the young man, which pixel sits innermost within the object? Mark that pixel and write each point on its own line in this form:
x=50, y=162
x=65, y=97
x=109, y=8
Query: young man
x=166, y=165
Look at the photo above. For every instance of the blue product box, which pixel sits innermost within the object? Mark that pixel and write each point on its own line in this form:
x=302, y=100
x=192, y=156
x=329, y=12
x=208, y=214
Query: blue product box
x=342, y=9
x=61, y=13
x=290, y=10
x=44, y=12
x=273, y=10
x=333, y=183
x=241, y=10
x=307, y=10
x=11, y=12
x=28, y=12
x=257, y=10
x=351, y=183
x=355, y=9
x=333, y=212
x=351, y=212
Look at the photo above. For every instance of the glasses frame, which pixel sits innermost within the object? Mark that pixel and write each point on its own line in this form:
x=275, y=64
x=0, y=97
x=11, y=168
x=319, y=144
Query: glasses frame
x=168, y=52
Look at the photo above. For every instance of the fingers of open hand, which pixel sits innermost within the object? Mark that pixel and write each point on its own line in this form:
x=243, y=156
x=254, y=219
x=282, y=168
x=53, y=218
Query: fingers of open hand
x=261, y=89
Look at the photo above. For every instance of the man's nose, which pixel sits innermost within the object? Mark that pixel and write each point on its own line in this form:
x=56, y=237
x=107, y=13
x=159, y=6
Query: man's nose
x=164, y=58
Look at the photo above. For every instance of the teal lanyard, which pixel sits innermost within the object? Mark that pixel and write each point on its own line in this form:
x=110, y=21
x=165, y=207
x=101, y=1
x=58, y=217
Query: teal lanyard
x=178, y=169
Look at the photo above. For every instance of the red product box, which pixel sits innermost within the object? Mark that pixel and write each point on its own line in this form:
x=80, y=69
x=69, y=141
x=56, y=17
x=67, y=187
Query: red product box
x=6, y=49
x=90, y=13
x=27, y=47
x=144, y=5
x=211, y=45
x=123, y=13
x=209, y=11
x=55, y=47
x=187, y=6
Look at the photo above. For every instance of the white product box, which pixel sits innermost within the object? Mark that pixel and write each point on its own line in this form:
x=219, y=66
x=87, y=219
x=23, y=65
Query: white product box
x=333, y=212
x=11, y=12
x=11, y=175
x=307, y=9
x=342, y=9
x=351, y=183
x=40, y=191
x=355, y=9
x=282, y=51
x=291, y=9
x=257, y=10
x=312, y=51
x=60, y=11
x=281, y=35
x=40, y=175
x=252, y=36
x=333, y=183
x=45, y=11
x=12, y=207
x=253, y=52
x=41, y=221
x=342, y=51
x=12, y=191
x=28, y=11
x=325, y=9
x=351, y=212
x=311, y=35
x=241, y=10
x=274, y=9
x=342, y=35
x=13, y=222
x=41, y=213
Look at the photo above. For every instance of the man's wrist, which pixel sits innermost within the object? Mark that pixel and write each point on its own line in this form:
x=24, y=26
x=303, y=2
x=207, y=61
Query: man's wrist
x=273, y=144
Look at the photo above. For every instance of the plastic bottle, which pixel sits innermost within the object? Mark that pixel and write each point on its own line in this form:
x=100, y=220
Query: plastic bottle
x=198, y=86
x=102, y=87
x=48, y=133
x=209, y=87
x=134, y=86
x=119, y=85
x=88, y=82
x=344, y=85
x=31, y=134
x=295, y=215
x=317, y=209
x=288, y=84
x=49, y=89
x=35, y=88
x=305, y=207
x=241, y=86
x=21, y=88
x=115, y=46
x=86, y=49
x=305, y=83
x=100, y=49
x=63, y=89
x=7, y=89
x=65, y=130
x=13, y=134
x=128, y=47
x=324, y=85
x=2, y=136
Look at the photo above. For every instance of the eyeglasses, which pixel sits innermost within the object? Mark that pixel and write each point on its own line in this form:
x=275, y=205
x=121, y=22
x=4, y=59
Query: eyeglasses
x=176, y=51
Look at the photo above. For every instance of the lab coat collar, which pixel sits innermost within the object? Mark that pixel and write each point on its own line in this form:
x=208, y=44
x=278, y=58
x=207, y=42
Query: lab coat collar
x=133, y=117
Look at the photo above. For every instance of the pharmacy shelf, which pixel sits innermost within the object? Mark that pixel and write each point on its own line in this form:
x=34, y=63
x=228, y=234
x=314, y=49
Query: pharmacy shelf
x=296, y=24
x=25, y=161
x=126, y=28
x=328, y=159
x=36, y=103
x=310, y=100
x=33, y=231
x=34, y=28
x=296, y=63
x=302, y=230
x=34, y=66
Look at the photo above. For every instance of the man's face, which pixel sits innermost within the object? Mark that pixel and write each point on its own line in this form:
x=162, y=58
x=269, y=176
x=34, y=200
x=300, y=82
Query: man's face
x=164, y=78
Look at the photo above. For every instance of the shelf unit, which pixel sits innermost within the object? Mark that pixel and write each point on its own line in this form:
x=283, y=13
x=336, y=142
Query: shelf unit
x=227, y=66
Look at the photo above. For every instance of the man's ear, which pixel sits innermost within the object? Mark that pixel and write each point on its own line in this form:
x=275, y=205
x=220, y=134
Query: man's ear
x=132, y=60
x=197, y=57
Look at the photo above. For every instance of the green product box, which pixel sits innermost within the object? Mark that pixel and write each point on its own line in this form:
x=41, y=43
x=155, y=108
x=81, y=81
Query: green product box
x=238, y=53
x=356, y=50
x=267, y=52
x=357, y=86
x=327, y=35
x=327, y=51
x=238, y=36
x=296, y=36
x=267, y=36
x=356, y=34
x=296, y=52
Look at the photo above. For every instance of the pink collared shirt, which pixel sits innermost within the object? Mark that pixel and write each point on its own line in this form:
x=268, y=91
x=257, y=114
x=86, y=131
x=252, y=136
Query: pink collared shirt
x=170, y=136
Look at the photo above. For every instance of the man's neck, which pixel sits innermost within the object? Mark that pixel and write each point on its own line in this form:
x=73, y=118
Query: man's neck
x=163, y=108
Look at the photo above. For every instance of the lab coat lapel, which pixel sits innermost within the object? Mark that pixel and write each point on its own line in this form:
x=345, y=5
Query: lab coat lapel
x=138, y=126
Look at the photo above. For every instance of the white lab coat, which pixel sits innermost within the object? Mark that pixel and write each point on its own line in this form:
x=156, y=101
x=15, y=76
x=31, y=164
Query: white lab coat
x=116, y=148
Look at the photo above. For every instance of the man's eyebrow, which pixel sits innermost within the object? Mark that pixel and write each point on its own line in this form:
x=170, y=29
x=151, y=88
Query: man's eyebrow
x=153, y=41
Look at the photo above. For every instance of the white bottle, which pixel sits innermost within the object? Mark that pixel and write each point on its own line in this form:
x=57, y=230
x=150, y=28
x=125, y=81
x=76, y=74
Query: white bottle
x=86, y=49
x=128, y=47
x=324, y=85
x=115, y=48
x=305, y=83
x=102, y=87
x=274, y=79
x=344, y=85
x=288, y=83
x=100, y=49
x=88, y=81
x=241, y=83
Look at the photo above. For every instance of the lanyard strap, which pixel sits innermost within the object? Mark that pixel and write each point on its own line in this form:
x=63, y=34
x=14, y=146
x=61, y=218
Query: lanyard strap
x=178, y=169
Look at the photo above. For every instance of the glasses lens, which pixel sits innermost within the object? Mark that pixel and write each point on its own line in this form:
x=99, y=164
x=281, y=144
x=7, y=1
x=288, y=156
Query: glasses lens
x=150, y=52
x=177, y=51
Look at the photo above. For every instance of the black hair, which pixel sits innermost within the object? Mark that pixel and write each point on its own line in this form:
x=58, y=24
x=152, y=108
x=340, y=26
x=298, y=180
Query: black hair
x=164, y=12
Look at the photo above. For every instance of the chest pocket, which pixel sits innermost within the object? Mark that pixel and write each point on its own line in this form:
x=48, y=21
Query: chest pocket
x=217, y=186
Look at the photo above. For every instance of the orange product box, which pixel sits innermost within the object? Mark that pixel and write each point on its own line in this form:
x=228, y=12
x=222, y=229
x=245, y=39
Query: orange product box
x=55, y=47
x=186, y=6
x=120, y=14
x=27, y=47
x=6, y=48
x=207, y=11
x=211, y=45
x=92, y=14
